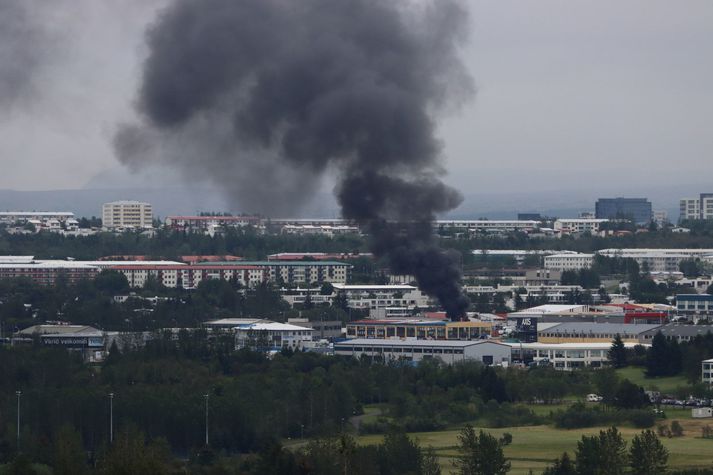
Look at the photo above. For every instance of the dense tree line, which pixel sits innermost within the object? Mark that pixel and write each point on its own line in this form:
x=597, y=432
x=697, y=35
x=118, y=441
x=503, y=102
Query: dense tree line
x=91, y=302
x=606, y=454
x=160, y=390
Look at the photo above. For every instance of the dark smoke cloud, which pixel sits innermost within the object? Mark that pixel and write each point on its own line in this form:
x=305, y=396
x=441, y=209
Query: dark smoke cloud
x=21, y=44
x=29, y=41
x=263, y=96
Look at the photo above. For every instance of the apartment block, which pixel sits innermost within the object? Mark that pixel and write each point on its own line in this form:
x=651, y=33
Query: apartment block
x=697, y=208
x=127, y=214
x=569, y=261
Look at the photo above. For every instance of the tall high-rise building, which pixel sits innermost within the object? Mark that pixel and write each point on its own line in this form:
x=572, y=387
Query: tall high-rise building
x=697, y=208
x=127, y=214
x=636, y=209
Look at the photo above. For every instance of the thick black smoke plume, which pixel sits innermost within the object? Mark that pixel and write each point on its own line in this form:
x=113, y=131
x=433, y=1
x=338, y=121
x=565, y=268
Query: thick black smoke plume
x=263, y=96
x=22, y=48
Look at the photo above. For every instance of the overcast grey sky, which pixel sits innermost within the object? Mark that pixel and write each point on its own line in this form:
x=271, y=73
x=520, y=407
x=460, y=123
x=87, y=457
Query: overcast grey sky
x=571, y=95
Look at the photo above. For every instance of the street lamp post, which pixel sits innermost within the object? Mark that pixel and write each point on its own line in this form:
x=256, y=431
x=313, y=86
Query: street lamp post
x=18, y=394
x=111, y=418
x=206, y=419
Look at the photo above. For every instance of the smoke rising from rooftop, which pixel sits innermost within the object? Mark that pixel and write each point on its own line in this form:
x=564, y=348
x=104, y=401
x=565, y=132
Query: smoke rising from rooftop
x=264, y=96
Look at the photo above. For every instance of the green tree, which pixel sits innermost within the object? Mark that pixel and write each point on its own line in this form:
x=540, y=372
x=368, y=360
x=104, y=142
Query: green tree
x=340, y=301
x=399, y=454
x=690, y=268
x=617, y=353
x=480, y=454
x=647, y=455
x=327, y=289
x=676, y=429
x=111, y=282
x=657, y=362
x=630, y=396
x=604, y=454
x=131, y=454
x=561, y=466
x=68, y=456
x=429, y=463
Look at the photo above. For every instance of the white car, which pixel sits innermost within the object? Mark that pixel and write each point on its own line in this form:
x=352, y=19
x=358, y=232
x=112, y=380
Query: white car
x=594, y=398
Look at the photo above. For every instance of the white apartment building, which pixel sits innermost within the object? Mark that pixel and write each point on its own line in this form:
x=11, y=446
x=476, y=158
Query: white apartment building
x=489, y=226
x=189, y=276
x=323, y=230
x=127, y=214
x=697, y=208
x=11, y=217
x=707, y=370
x=266, y=335
x=374, y=297
x=660, y=260
x=578, y=225
x=569, y=261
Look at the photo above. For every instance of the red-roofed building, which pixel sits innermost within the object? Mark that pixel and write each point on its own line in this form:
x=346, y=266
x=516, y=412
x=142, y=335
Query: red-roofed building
x=197, y=259
x=316, y=256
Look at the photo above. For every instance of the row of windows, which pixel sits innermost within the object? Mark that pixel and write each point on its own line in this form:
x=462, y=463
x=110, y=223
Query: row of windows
x=447, y=351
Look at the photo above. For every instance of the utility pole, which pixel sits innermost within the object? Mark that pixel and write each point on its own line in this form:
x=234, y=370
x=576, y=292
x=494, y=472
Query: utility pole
x=206, y=419
x=111, y=418
x=18, y=394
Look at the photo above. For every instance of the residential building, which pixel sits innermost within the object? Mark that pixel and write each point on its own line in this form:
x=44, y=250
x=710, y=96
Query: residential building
x=324, y=230
x=578, y=225
x=487, y=226
x=637, y=210
x=272, y=336
x=659, y=260
x=371, y=297
x=300, y=272
x=323, y=329
x=697, y=208
x=11, y=217
x=695, y=305
x=318, y=256
x=448, y=351
x=45, y=272
x=190, y=276
x=127, y=215
x=661, y=218
x=707, y=371
x=568, y=261
x=301, y=295
x=208, y=224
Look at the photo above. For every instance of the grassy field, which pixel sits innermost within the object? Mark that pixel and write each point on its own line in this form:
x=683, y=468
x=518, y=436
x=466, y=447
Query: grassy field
x=668, y=384
x=533, y=448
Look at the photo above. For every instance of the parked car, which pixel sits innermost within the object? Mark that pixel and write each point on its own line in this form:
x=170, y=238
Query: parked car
x=594, y=398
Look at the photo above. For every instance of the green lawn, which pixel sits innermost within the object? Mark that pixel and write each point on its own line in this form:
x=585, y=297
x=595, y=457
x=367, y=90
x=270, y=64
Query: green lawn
x=637, y=376
x=535, y=447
